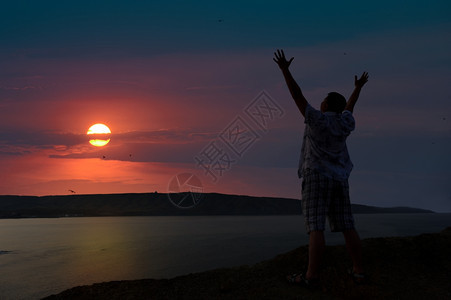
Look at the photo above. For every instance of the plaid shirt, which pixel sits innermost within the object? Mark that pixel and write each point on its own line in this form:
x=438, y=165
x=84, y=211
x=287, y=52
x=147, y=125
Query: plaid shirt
x=324, y=144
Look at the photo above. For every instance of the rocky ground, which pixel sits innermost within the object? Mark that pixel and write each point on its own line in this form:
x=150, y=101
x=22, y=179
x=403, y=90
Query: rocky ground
x=416, y=267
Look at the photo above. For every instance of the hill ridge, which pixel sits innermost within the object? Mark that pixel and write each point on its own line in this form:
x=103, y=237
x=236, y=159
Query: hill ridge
x=159, y=204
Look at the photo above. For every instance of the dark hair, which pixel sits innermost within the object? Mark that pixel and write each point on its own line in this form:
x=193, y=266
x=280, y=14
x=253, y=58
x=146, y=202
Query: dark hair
x=335, y=102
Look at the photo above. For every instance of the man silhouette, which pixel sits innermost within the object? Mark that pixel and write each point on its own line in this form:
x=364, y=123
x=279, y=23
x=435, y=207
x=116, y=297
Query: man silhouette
x=325, y=167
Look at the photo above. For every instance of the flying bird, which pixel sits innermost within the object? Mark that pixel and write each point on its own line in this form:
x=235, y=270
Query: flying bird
x=72, y=191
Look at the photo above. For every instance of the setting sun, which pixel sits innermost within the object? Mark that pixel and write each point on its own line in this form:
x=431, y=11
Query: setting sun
x=99, y=134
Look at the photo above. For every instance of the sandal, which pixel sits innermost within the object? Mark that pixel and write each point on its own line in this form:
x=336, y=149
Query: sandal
x=299, y=279
x=358, y=278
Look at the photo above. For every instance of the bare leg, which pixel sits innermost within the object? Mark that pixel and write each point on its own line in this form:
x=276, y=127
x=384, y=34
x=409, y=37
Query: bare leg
x=354, y=249
x=317, y=245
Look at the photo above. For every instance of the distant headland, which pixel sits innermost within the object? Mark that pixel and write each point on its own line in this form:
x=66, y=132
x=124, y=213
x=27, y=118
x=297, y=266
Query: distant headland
x=159, y=204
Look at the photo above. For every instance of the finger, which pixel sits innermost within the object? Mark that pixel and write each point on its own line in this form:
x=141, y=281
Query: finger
x=290, y=60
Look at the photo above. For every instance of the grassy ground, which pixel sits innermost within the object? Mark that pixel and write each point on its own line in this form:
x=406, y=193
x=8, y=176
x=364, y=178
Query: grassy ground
x=400, y=268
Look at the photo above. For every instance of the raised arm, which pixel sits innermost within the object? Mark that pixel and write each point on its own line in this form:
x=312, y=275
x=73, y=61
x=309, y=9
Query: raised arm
x=294, y=88
x=359, y=83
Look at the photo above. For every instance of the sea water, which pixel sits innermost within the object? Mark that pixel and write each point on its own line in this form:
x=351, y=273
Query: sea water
x=40, y=257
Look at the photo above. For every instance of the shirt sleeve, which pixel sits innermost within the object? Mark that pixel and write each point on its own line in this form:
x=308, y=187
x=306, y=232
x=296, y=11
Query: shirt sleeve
x=313, y=117
x=348, y=120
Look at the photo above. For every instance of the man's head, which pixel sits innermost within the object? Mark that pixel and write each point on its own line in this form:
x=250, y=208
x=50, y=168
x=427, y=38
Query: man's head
x=334, y=102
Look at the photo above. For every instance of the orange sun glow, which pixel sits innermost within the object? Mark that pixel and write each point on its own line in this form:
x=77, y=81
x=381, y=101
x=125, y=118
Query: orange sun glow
x=99, y=135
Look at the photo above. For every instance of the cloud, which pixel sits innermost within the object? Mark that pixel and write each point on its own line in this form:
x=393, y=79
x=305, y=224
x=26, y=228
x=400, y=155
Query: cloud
x=52, y=138
x=168, y=145
x=40, y=139
x=164, y=136
x=20, y=88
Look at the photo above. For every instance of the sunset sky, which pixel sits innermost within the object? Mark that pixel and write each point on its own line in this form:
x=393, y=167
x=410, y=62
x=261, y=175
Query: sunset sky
x=174, y=80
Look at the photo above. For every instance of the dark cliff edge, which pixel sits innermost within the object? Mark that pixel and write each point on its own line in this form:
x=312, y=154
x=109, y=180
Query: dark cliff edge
x=159, y=204
x=415, y=267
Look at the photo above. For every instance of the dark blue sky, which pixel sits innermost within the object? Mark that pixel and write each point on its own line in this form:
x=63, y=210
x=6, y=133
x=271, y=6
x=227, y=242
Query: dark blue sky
x=98, y=27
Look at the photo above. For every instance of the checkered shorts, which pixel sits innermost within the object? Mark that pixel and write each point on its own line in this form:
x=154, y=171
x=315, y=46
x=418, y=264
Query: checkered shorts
x=323, y=196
